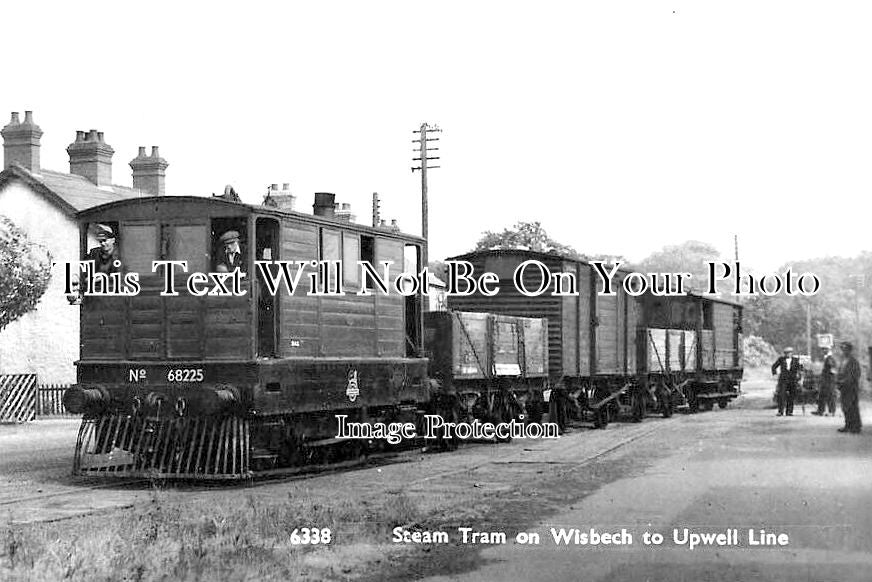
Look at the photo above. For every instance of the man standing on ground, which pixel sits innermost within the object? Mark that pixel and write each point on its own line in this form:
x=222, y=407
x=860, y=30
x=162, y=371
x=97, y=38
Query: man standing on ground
x=849, y=386
x=827, y=391
x=788, y=378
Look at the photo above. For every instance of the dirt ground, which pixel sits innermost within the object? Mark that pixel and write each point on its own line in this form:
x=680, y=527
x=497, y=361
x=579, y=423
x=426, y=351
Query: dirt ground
x=736, y=468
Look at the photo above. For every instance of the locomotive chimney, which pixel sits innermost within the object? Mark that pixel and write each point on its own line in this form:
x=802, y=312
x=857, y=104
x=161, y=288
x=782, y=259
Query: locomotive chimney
x=325, y=204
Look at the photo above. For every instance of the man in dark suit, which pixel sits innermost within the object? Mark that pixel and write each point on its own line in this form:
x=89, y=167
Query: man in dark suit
x=849, y=385
x=787, y=367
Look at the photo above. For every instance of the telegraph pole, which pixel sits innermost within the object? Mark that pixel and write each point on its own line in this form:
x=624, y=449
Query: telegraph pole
x=423, y=158
x=808, y=326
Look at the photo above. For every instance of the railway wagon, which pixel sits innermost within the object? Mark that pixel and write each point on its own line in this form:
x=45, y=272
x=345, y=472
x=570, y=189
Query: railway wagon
x=591, y=336
x=493, y=366
x=690, y=349
x=222, y=386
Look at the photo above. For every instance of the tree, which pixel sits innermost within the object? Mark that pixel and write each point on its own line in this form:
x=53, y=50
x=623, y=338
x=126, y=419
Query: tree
x=525, y=235
x=688, y=257
x=25, y=270
x=837, y=308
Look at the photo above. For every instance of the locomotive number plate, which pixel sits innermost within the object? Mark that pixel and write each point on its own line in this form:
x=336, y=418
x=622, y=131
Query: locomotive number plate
x=185, y=375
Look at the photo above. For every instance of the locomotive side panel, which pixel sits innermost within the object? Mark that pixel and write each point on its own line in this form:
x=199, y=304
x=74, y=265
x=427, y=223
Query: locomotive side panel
x=227, y=327
x=299, y=313
x=390, y=319
x=331, y=385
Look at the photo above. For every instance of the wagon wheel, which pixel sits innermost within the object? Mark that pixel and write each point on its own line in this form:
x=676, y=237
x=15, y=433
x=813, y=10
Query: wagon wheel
x=692, y=400
x=534, y=411
x=666, y=405
x=707, y=405
x=601, y=417
x=505, y=412
x=637, y=405
x=557, y=410
x=449, y=409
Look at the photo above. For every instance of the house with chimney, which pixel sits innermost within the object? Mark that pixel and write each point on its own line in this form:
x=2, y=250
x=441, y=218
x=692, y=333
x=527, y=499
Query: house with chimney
x=43, y=203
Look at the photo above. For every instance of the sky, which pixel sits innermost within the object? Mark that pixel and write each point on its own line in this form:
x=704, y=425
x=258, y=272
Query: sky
x=621, y=126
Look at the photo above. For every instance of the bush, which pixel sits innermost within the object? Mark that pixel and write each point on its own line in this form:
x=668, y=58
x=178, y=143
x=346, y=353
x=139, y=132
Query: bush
x=758, y=352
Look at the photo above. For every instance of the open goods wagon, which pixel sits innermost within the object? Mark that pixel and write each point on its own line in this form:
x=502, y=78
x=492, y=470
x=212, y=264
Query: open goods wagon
x=690, y=349
x=494, y=365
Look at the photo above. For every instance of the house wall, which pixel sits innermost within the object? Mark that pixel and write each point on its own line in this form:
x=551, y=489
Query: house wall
x=44, y=341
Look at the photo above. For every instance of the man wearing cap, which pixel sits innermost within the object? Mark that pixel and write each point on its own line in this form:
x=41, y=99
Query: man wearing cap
x=827, y=391
x=849, y=385
x=787, y=367
x=105, y=256
x=230, y=257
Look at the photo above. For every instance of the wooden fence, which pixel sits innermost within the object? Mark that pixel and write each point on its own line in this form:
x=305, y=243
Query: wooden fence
x=23, y=400
x=49, y=400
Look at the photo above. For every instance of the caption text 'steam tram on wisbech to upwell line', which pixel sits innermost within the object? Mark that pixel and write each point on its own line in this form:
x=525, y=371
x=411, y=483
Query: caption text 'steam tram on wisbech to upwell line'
x=232, y=386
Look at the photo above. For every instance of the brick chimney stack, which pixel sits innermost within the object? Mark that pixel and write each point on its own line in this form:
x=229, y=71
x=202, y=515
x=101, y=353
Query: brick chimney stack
x=21, y=142
x=91, y=157
x=283, y=199
x=344, y=214
x=149, y=172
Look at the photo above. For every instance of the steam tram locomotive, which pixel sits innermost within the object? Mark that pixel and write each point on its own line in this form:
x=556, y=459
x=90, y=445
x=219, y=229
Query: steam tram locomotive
x=226, y=386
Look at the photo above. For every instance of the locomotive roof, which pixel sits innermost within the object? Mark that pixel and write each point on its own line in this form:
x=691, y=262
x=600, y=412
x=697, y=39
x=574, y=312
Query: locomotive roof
x=557, y=256
x=239, y=208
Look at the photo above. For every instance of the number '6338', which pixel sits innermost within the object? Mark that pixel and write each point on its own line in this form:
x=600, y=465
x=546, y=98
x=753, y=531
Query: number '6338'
x=311, y=536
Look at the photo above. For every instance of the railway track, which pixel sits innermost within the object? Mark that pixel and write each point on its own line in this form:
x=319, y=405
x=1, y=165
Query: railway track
x=123, y=493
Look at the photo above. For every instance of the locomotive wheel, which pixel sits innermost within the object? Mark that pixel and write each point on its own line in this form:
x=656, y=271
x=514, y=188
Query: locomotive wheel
x=601, y=417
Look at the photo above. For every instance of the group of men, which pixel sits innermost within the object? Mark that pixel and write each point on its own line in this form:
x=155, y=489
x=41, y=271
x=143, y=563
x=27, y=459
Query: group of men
x=107, y=260
x=845, y=377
